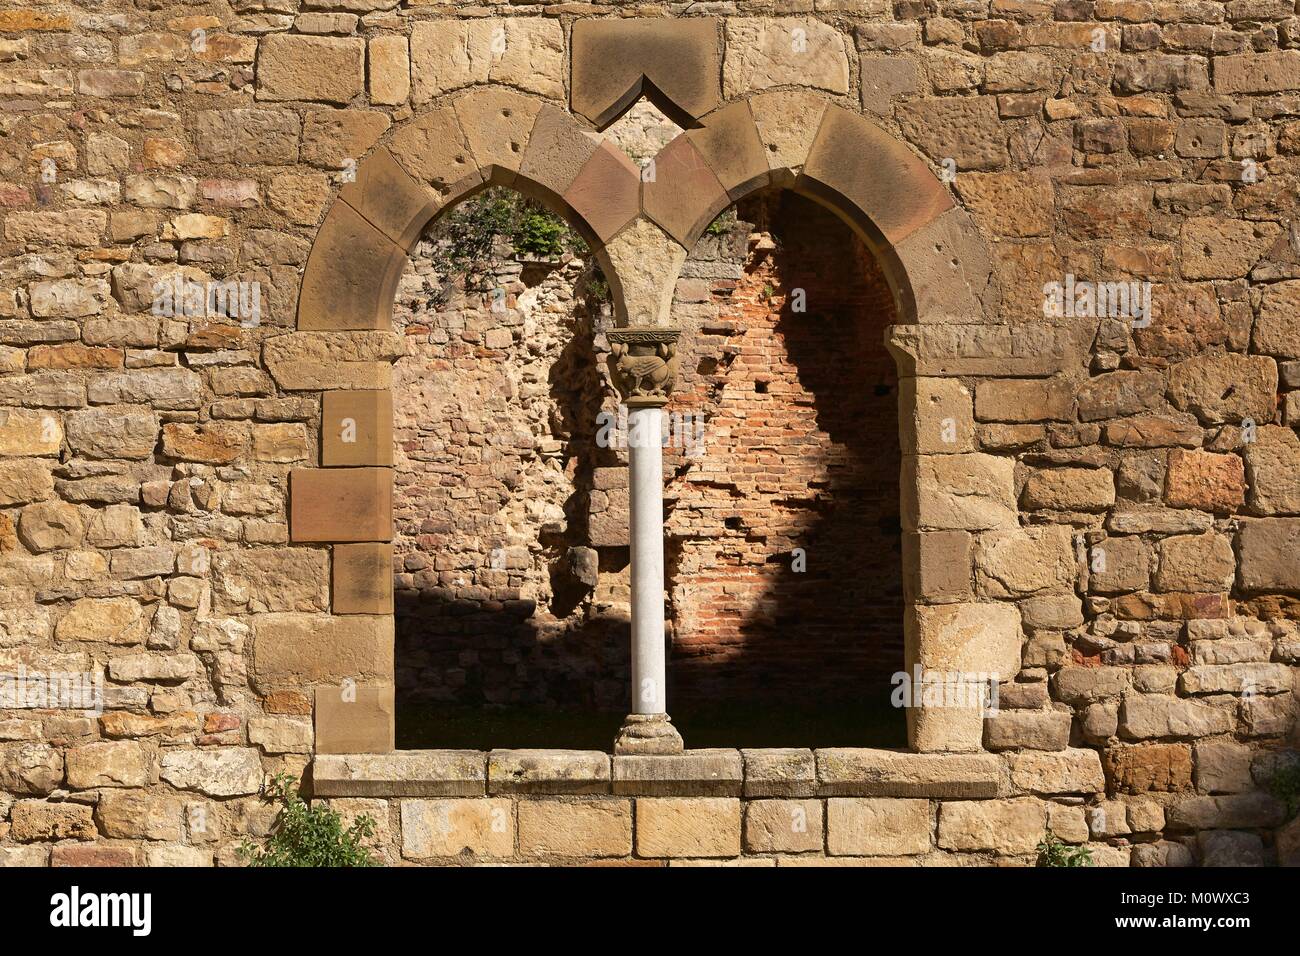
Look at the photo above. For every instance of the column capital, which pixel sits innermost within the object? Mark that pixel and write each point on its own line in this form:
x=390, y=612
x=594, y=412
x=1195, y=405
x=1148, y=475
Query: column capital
x=643, y=361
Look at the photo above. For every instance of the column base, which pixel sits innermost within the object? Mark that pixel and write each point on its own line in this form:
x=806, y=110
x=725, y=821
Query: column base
x=648, y=734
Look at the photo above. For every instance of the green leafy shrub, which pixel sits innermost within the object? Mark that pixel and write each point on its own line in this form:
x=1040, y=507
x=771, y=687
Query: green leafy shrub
x=1285, y=785
x=1052, y=852
x=541, y=233
x=303, y=835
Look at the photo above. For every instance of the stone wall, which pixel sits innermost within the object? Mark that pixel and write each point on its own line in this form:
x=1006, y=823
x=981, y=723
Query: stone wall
x=1108, y=508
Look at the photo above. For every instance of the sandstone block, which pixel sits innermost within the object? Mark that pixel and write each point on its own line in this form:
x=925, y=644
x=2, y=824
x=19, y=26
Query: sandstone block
x=548, y=771
x=1074, y=770
x=1146, y=716
x=1273, y=470
x=970, y=638
x=357, y=428
x=522, y=52
x=1025, y=561
x=1070, y=489
x=291, y=650
x=783, y=826
x=354, y=719
x=341, y=504
x=579, y=829
x=1005, y=827
x=107, y=764
x=1204, y=480
x=295, y=67
x=220, y=772
x=689, y=827
x=958, y=492
x=409, y=773
x=363, y=579
x=762, y=53
x=1268, y=547
x=779, y=772
x=452, y=828
x=877, y=827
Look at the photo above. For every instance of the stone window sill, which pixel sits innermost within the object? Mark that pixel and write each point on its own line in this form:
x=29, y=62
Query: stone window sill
x=714, y=773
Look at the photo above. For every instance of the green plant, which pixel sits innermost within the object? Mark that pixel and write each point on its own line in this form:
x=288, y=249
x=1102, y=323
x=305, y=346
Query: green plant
x=304, y=835
x=722, y=225
x=1285, y=785
x=541, y=233
x=1053, y=852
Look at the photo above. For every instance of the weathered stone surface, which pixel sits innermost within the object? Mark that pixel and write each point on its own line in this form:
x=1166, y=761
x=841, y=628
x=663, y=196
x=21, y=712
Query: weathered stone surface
x=39, y=820
x=109, y=620
x=407, y=773
x=1196, y=563
x=127, y=431
x=1273, y=471
x=341, y=504
x=107, y=764
x=1149, y=767
x=51, y=525
x=1030, y=729
x=290, y=650
x=1200, y=479
x=1145, y=716
x=30, y=768
x=221, y=772
x=548, y=771
x=1070, y=489
x=966, y=492
x=783, y=826
x=877, y=827
x=695, y=772
x=450, y=828
x=1257, y=72
x=1268, y=547
x=971, y=638
x=965, y=130
x=1025, y=561
x=779, y=772
x=1006, y=827
x=687, y=827
x=522, y=52
x=352, y=719
x=762, y=53
x=1073, y=770
x=578, y=829
x=357, y=428
x=1225, y=387
x=271, y=579
x=1115, y=394
x=326, y=69
x=885, y=773
x=327, y=360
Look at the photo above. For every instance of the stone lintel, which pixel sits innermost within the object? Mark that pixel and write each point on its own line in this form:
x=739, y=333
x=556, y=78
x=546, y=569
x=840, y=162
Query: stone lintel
x=779, y=772
x=548, y=771
x=702, y=773
x=1030, y=350
x=864, y=772
x=404, y=773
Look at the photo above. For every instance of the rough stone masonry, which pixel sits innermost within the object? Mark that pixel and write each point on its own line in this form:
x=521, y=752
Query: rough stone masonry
x=1100, y=502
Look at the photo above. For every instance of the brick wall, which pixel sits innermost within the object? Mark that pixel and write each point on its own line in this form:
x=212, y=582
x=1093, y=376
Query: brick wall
x=800, y=451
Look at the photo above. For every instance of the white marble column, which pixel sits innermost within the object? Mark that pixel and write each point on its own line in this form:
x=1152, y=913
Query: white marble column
x=645, y=365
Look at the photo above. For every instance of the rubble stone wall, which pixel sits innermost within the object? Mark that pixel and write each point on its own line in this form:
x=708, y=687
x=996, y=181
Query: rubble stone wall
x=1100, y=507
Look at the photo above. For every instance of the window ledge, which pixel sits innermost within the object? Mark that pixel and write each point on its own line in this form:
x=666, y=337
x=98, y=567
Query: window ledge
x=863, y=772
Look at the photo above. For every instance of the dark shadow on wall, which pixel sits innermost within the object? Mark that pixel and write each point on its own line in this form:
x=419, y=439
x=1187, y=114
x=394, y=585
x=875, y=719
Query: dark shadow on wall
x=813, y=399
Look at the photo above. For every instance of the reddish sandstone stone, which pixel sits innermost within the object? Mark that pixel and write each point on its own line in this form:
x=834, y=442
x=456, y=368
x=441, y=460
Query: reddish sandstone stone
x=1203, y=480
